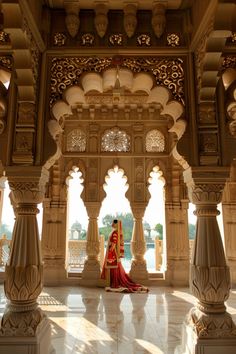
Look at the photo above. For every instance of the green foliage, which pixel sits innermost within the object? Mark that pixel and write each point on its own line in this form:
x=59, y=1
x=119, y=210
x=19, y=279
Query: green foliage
x=159, y=229
x=191, y=231
x=4, y=229
x=127, y=224
x=83, y=234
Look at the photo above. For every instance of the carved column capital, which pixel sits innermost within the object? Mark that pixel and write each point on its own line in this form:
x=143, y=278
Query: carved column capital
x=205, y=185
x=138, y=209
x=27, y=184
x=93, y=209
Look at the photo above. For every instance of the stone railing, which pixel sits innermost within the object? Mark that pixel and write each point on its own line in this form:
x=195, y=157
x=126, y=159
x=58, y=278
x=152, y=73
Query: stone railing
x=77, y=253
x=4, y=249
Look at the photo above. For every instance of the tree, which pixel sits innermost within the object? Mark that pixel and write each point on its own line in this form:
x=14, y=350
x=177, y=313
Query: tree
x=191, y=231
x=127, y=224
x=4, y=229
x=159, y=229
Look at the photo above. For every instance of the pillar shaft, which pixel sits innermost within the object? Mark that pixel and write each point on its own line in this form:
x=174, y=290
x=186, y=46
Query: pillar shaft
x=24, y=270
x=229, y=218
x=138, y=269
x=91, y=271
x=209, y=274
x=177, y=243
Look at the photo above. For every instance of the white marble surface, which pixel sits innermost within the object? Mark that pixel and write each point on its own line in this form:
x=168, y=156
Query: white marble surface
x=91, y=321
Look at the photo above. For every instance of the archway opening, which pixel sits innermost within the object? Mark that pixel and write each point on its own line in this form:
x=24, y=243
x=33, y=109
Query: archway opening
x=116, y=205
x=77, y=222
x=154, y=222
x=7, y=221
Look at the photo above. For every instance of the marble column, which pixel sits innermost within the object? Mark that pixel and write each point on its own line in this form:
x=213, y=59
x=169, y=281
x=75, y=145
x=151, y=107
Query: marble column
x=91, y=271
x=23, y=323
x=138, y=271
x=229, y=219
x=177, y=243
x=54, y=232
x=208, y=328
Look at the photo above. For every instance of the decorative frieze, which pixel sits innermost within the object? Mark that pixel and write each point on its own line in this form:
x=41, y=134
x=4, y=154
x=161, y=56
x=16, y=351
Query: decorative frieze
x=168, y=72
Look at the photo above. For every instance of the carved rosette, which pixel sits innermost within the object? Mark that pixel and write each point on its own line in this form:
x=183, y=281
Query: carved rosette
x=23, y=284
x=211, y=286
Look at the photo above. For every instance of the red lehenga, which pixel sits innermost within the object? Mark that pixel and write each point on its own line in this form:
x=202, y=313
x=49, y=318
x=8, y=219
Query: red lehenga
x=113, y=273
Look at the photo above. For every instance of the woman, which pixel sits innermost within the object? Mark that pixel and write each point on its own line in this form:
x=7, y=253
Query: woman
x=113, y=272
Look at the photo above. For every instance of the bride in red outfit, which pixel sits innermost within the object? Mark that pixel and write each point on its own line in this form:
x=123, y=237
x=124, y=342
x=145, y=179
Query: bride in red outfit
x=113, y=272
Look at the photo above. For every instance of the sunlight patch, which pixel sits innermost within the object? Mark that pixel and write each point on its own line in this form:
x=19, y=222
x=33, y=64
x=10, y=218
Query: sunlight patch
x=152, y=349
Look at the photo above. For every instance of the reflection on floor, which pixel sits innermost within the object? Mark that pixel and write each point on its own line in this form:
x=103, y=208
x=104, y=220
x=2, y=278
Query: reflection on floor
x=87, y=320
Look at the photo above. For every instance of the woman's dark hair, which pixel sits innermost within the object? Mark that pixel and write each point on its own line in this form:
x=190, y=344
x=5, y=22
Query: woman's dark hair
x=115, y=221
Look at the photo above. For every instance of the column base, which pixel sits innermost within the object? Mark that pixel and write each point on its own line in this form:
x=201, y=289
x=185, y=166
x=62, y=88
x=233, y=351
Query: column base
x=91, y=273
x=177, y=273
x=138, y=271
x=210, y=334
x=54, y=273
x=21, y=333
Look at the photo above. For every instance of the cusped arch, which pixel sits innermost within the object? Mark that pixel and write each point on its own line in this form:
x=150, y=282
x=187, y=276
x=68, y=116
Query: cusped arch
x=128, y=84
x=106, y=176
x=70, y=167
x=154, y=166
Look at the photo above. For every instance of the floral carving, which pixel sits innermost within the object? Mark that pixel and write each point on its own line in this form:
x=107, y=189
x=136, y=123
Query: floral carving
x=23, y=283
x=26, y=112
x=173, y=40
x=115, y=140
x=67, y=71
x=207, y=193
x=229, y=62
x=233, y=37
x=155, y=141
x=21, y=324
x=76, y=140
x=210, y=285
x=116, y=39
x=59, y=39
x=87, y=39
x=6, y=62
x=144, y=40
x=4, y=37
x=212, y=326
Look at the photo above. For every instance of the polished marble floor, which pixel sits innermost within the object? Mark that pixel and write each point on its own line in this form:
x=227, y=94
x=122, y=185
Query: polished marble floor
x=91, y=321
